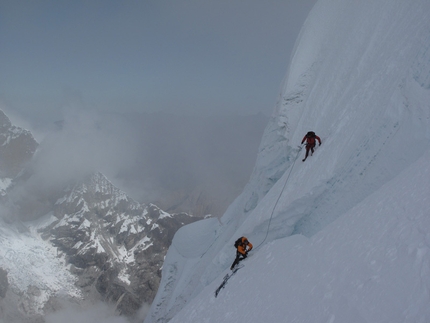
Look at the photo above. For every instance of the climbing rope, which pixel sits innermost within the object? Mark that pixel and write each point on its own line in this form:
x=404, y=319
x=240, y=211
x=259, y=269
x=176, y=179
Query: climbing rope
x=279, y=197
x=273, y=210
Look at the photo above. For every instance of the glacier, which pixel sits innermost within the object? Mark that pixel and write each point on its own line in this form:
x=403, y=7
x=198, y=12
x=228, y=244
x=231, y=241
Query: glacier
x=342, y=237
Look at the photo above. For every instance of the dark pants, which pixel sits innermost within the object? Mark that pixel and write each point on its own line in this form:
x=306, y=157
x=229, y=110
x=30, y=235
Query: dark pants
x=239, y=257
x=311, y=148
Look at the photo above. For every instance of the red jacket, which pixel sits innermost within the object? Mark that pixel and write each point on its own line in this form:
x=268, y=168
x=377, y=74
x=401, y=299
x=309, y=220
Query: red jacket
x=310, y=141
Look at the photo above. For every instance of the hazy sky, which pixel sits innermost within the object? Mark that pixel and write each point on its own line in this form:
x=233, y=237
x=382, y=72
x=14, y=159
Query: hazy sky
x=183, y=56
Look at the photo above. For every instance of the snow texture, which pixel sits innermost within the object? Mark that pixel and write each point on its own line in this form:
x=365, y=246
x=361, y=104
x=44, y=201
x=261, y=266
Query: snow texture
x=344, y=236
x=370, y=265
x=33, y=262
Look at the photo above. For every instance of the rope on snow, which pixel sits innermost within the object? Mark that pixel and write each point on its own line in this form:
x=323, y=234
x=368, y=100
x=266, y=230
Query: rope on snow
x=279, y=197
x=273, y=210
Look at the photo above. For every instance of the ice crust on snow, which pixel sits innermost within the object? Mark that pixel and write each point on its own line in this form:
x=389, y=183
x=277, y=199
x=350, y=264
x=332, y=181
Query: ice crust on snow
x=342, y=237
x=31, y=261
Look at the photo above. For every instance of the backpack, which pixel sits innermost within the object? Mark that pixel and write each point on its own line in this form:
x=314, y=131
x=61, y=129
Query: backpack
x=310, y=134
x=238, y=242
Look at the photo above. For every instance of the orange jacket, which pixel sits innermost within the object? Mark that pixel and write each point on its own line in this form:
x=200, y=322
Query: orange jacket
x=244, y=245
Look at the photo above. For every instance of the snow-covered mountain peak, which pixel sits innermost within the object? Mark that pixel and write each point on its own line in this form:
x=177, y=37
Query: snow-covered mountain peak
x=359, y=79
x=94, y=244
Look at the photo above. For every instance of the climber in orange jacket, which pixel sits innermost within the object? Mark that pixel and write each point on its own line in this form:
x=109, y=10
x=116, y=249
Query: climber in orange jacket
x=310, y=142
x=243, y=247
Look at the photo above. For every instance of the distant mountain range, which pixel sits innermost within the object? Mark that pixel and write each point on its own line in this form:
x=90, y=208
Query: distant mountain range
x=93, y=243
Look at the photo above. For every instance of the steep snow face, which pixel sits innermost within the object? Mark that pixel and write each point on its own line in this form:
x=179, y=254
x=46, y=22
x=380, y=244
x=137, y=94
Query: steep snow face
x=370, y=265
x=360, y=78
x=353, y=80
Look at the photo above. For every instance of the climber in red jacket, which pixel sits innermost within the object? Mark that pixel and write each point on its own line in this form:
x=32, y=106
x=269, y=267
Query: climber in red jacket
x=310, y=142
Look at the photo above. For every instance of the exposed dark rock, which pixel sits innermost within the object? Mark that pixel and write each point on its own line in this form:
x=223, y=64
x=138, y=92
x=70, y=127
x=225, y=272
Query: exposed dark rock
x=113, y=245
x=116, y=246
x=17, y=146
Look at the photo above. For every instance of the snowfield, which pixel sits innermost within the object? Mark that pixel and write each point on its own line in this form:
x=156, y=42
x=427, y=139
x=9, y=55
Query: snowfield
x=30, y=261
x=370, y=265
x=344, y=236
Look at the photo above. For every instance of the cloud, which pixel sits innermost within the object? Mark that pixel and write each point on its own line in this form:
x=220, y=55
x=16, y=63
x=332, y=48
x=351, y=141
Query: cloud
x=84, y=142
x=159, y=158
x=189, y=56
x=95, y=314
x=100, y=312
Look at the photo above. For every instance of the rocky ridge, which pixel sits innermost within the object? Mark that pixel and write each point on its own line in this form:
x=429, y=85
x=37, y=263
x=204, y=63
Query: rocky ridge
x=17, y=146
x=115, y=245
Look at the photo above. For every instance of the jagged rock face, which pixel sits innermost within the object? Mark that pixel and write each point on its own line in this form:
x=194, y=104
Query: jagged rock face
x=116, y=246
x=17, y=146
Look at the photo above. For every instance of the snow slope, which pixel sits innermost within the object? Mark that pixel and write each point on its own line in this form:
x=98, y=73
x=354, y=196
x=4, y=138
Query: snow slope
x=341, y=237
x=34, y=263
x=370, y=265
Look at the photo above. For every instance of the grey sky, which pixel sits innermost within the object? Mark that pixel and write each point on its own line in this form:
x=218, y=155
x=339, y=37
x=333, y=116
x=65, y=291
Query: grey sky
x=182, y=56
